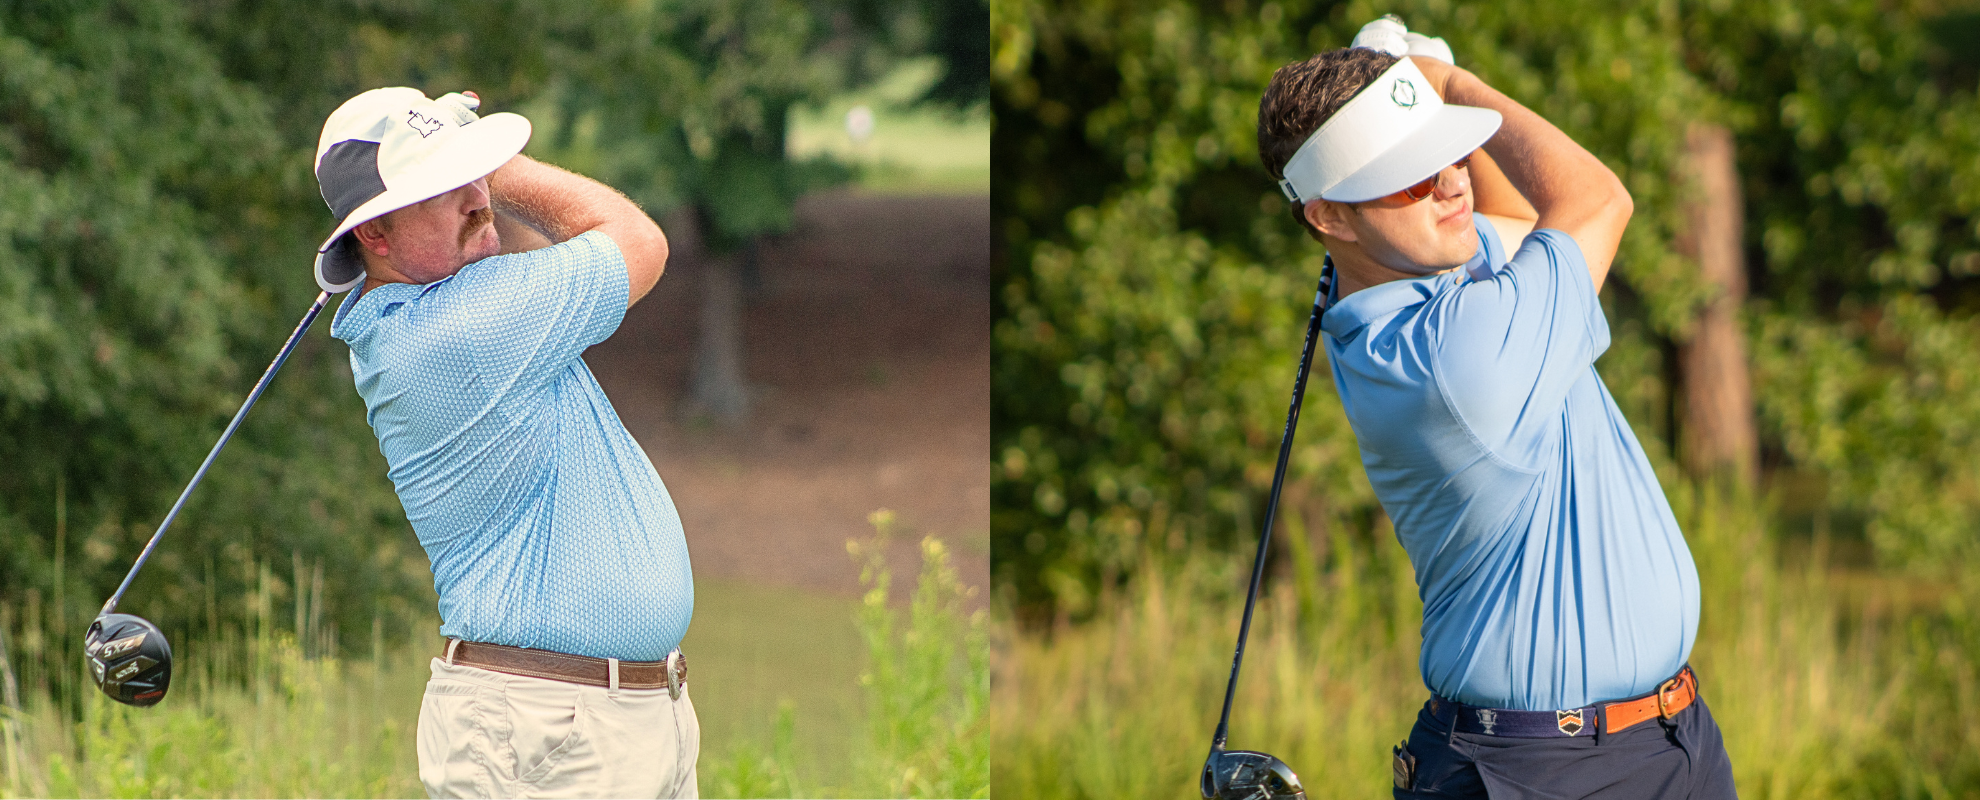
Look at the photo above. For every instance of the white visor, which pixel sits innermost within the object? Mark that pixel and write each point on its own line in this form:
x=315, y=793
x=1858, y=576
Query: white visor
x=1391, y=135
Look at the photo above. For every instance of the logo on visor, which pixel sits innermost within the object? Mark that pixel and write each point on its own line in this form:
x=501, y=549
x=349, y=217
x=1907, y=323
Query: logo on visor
x=1404, y=93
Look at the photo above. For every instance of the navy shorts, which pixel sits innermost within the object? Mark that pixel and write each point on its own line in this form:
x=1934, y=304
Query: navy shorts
x=1653, y=760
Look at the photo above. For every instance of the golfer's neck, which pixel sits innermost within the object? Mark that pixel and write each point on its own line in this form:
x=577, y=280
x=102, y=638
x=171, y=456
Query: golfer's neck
x=1355, y=271
x=378, y=271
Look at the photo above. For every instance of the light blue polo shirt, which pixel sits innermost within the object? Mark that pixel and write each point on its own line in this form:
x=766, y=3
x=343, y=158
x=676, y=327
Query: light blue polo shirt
x=546, y=524
x=1552, y=572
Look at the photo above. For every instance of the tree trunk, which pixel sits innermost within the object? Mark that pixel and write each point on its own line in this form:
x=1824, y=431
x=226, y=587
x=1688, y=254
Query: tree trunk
x=719, y=388
x=1717, y=436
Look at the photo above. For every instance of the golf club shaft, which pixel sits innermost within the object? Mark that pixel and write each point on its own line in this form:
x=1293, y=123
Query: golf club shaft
x=266, y=377
x=1271, y=510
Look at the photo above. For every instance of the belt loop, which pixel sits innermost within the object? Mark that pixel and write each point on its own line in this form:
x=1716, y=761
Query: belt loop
x=612, y=666
x=1457, y=715
x=1601, y=722
x=452, y=645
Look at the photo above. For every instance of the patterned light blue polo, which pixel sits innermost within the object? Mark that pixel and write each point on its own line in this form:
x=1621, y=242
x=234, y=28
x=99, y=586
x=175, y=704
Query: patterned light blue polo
x=545, y=522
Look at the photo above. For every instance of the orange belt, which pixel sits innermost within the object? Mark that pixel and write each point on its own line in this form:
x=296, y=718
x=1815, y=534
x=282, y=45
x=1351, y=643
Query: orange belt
x=1673, y=696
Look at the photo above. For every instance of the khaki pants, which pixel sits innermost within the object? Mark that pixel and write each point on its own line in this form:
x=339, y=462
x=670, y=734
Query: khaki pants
x=489, y=734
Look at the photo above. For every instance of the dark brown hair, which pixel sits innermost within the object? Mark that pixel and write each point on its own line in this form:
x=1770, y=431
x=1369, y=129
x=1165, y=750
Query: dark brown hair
x=1304, y=95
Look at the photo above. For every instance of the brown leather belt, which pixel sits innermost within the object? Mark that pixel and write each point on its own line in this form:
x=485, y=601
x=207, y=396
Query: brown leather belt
x=1672, y=696
x=607, y=672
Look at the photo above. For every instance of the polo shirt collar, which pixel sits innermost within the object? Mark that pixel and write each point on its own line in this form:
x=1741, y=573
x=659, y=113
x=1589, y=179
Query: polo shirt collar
x=362, y=306
x=1345, y=317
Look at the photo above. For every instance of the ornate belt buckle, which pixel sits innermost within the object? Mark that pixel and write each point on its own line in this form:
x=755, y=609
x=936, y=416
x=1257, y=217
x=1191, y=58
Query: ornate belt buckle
x=1666, y=698
x=676, y=664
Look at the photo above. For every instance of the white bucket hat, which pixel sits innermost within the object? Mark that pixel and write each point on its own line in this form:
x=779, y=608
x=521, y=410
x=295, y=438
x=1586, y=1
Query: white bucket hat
x=387, y=149
x=1391, y=135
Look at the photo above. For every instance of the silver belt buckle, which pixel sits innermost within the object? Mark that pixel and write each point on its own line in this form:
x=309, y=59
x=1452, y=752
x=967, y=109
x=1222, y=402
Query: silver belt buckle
x=675, y=662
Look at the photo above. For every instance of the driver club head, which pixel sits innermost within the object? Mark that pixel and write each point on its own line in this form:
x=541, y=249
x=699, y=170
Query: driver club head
x=128, y=658
x=1249, y=775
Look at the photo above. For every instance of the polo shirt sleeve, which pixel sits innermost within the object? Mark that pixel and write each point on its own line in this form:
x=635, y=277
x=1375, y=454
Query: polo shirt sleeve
x=1509, y=348
x=528, y=315
x=1491, y=255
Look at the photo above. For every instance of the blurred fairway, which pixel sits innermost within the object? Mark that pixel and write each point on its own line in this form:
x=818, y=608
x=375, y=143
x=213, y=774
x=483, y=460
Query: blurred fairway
x=756, y=648
x=912, y=150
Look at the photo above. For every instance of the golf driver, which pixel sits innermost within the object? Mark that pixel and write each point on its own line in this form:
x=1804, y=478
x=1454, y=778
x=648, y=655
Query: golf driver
x=128, y=656
x=1246, y=774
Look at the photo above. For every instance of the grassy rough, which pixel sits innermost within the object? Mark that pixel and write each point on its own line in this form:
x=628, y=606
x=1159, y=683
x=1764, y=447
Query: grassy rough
x=1826, y=685
x=261, y=716
x=926, y=689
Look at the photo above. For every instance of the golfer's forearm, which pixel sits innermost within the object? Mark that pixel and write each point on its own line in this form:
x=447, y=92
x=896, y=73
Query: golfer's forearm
x=1570, y=189
x=563, y=205
x=518, y=236
x=1495, y=194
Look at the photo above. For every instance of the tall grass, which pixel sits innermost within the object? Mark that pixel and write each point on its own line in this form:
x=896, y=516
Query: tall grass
x=259, y=713
x=927, y=687
x=265, y=713
x=1826, y=685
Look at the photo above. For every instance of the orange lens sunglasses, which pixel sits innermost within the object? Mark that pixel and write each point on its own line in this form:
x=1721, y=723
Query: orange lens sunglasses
x=1424, y=187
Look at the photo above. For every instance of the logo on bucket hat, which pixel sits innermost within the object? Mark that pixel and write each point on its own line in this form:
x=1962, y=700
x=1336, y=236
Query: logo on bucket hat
x=387, y=149
x=425, y=125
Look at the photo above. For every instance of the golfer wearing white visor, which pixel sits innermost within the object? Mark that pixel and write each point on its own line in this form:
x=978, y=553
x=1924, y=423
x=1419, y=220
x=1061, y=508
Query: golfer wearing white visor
x=479, y=278
x=1462, y=320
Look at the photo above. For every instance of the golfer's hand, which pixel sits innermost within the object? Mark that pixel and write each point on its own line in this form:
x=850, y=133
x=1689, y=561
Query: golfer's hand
x=1438, y=73
x=1386, y=34
x=461, y=104
x=1389, y=35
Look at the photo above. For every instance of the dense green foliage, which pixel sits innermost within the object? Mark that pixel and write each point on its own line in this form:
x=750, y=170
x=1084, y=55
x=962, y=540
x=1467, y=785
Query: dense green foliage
x=157, y=220
x=1152, y=290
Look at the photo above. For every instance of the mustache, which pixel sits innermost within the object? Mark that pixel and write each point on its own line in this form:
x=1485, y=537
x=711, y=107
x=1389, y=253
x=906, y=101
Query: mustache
x=476, y=220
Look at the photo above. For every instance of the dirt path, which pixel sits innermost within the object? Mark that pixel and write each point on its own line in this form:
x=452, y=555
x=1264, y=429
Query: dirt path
x=867, y=350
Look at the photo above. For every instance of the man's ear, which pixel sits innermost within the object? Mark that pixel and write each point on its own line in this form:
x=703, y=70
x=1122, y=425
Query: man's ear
x=371, y=236
x=1330, y=218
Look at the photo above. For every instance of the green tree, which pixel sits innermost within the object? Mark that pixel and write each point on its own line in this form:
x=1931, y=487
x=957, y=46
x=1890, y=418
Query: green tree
x=1151, y=288
x=158, y=215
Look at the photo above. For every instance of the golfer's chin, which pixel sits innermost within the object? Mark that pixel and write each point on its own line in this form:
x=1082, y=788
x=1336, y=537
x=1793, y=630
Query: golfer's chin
x=1455, y=247
x=482, y=245
x=1449, y=255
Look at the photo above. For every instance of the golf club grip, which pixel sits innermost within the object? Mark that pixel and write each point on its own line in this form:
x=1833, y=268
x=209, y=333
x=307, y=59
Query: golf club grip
x=260, y=385
x=1271, y=510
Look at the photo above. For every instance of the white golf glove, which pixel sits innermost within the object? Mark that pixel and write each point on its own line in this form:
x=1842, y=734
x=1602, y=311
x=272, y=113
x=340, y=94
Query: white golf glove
x=1390, y=36
x=461, y=105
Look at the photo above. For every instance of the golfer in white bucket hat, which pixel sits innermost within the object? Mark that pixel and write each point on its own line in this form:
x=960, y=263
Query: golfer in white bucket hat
x=1560, y=599
x=557, y=553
